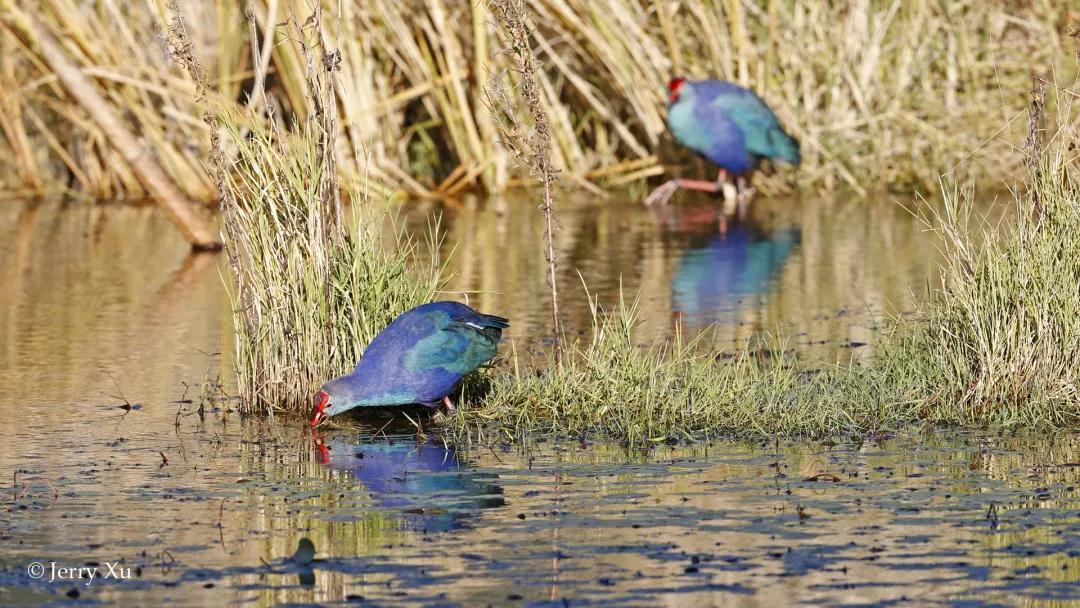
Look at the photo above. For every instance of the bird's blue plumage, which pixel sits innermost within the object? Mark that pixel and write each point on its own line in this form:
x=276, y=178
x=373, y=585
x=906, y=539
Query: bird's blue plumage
x=729, y=125
x=419, y=357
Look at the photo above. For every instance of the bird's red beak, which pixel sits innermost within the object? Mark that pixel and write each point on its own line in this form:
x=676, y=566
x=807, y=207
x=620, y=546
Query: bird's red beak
x=318, y=415
x=673, y=89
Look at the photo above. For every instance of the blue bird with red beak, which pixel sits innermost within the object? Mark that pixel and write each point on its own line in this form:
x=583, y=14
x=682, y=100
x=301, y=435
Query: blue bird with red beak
x=418, y=359
x=728, y=125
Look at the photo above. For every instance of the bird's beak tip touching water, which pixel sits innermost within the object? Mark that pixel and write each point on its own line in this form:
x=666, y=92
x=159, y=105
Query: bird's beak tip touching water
x=318, y=414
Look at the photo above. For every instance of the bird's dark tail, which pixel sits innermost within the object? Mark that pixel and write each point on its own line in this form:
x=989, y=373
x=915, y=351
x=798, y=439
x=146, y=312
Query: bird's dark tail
x=784, y=147
x=480, y=320
x=488, y=326
x=491, y=321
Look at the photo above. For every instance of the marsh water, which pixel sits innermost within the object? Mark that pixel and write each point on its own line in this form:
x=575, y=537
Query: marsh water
x=107, y=330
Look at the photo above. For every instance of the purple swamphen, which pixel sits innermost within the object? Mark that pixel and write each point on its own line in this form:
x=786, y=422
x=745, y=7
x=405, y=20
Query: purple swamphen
x=419, y=358
x=728, y=125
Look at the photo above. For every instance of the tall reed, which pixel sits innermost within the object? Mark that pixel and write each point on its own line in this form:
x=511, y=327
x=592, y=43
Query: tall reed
x=313, y=283
x=533, y=147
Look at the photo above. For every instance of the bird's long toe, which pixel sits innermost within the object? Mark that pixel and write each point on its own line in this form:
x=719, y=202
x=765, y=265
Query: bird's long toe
x=662, y=194
x=743, y=198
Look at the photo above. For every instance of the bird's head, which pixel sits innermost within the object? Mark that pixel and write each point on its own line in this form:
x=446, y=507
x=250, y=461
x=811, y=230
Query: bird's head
x=675, y=89
x=323, y=405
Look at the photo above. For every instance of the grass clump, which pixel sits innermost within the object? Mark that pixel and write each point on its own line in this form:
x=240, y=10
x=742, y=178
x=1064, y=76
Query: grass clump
x=314, y=284
x=998, y=343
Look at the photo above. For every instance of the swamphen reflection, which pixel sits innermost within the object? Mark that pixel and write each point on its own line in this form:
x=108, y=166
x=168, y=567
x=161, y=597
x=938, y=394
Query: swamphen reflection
x=739, y=263
x=419, y=358
x=729, y=126
x=426, y=483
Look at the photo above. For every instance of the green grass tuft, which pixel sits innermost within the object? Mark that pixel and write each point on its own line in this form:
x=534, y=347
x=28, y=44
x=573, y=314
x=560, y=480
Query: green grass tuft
x=675, y=390
x=998, y=343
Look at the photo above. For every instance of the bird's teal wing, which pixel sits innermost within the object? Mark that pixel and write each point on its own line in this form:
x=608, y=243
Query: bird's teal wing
x=763, y=134
x=458, y=346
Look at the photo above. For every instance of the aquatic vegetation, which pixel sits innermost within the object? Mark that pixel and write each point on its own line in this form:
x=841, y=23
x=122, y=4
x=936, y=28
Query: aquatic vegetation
x=678, y=390
x=880, y=93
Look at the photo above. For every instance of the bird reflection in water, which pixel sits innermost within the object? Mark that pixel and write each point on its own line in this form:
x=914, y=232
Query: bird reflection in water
x=427, y=483
x=724, y=264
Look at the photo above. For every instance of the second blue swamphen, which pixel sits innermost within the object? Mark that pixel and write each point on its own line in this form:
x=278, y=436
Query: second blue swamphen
x=419, y=358
x=728, y=125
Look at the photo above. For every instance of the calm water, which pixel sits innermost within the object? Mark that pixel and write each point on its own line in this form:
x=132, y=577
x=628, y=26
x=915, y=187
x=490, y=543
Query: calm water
x=820, y=275
x=101, y=305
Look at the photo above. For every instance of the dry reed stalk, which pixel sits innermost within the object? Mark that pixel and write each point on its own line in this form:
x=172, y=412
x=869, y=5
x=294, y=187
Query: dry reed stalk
x=1033, y=144
x=180, y=210
x=537, y=145
x=12, y=127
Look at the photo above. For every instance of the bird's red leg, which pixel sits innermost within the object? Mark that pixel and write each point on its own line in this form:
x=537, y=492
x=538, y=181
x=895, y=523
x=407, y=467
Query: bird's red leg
x=449, y=405
x=664, y=192
x=704, y=186
x=700, y=185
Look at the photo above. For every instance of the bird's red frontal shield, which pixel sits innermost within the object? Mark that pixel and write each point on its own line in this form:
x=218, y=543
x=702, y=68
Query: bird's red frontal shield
x=673, y=89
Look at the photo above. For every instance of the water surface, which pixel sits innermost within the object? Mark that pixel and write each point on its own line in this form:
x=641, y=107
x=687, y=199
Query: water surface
x=101, y=306
x=822, y=274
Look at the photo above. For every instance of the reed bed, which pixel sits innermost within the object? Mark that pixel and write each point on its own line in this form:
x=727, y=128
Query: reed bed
x=52, y=141
x=881, y=93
